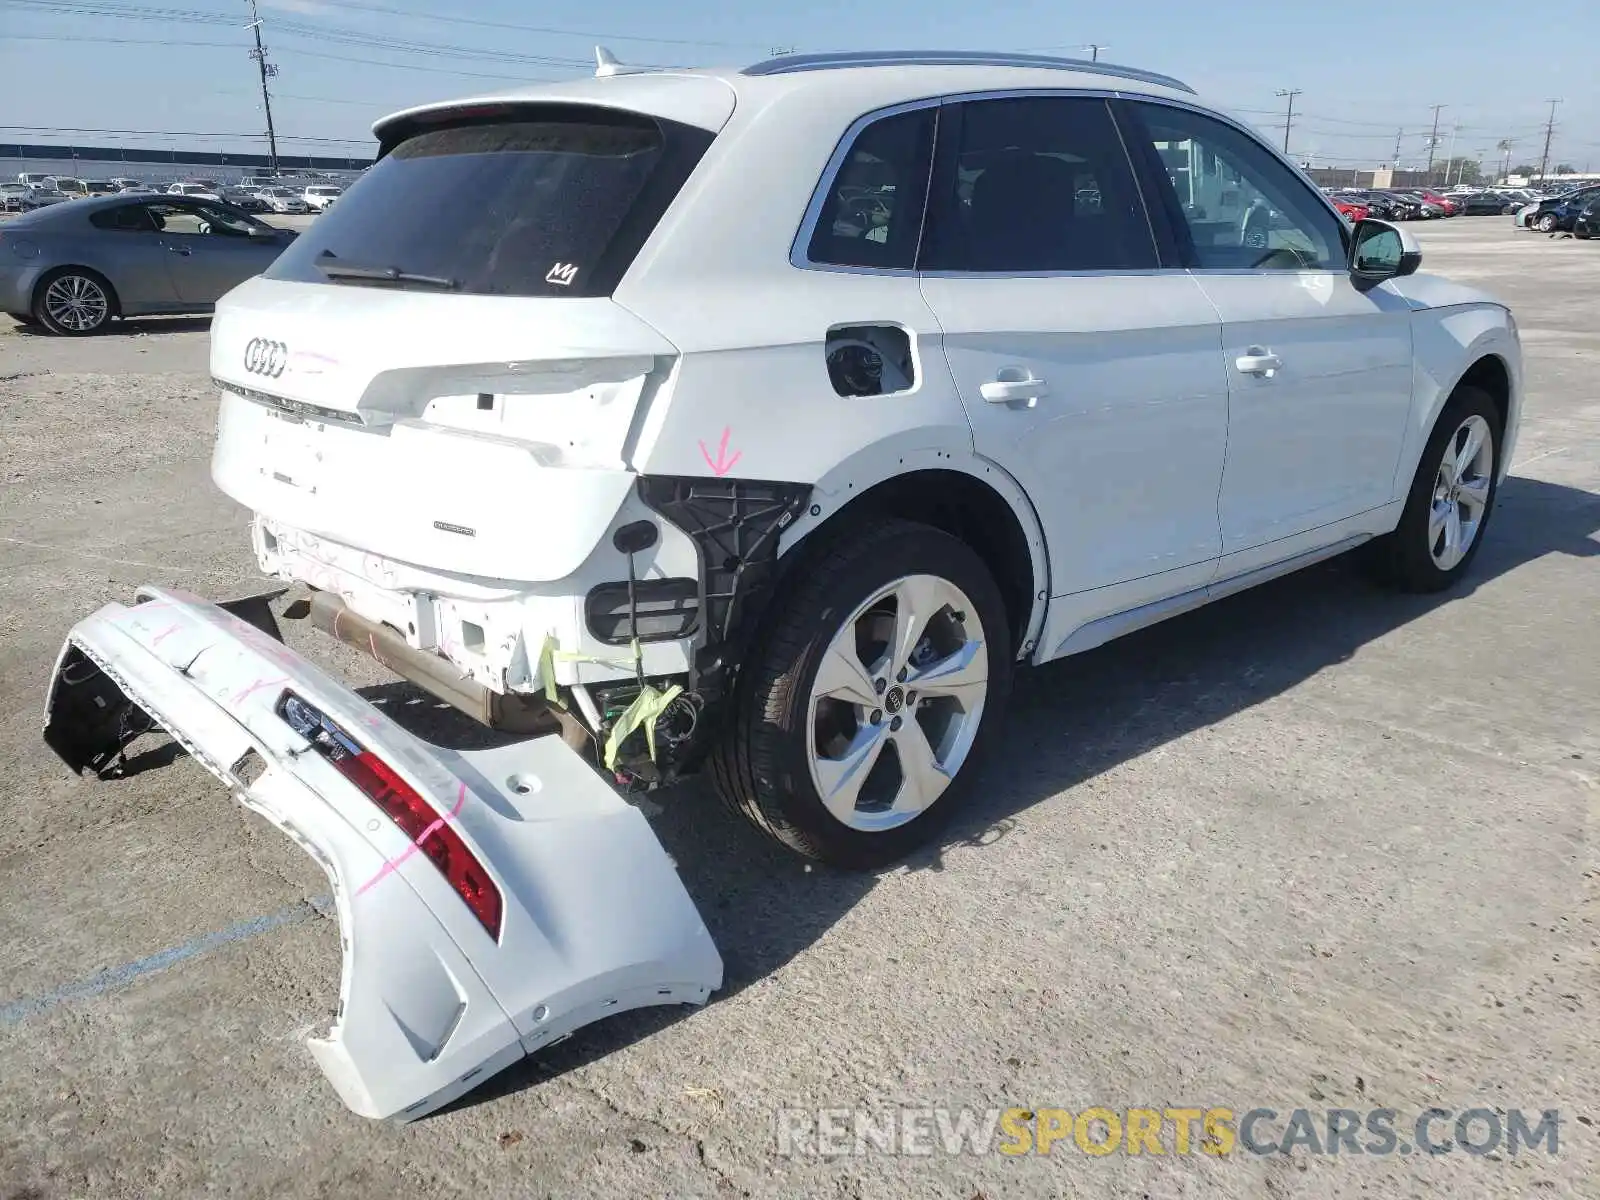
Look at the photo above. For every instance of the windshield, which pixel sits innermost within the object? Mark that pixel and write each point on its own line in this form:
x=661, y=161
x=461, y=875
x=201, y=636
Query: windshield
x=550, y=200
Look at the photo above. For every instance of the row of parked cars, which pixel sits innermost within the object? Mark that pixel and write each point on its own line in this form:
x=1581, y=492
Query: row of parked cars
x=1423, y=204
x=256, y=195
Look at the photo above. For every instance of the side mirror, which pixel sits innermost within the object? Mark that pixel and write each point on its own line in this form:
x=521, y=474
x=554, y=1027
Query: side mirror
x=1380, y=251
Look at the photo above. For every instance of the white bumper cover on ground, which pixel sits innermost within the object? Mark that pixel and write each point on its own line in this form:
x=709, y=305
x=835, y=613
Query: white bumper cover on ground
x=593, y=917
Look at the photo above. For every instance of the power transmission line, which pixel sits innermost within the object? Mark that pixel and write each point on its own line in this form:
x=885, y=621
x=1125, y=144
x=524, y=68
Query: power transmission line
x=187, y=16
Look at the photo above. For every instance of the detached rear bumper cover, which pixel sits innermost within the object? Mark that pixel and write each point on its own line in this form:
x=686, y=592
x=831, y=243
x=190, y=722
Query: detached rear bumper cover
x=595, y=919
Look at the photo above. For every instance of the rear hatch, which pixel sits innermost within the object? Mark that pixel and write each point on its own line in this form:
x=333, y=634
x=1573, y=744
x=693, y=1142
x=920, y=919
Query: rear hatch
x=437, y=360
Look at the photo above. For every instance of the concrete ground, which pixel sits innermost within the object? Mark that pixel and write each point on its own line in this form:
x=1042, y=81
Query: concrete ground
x=1317, y=846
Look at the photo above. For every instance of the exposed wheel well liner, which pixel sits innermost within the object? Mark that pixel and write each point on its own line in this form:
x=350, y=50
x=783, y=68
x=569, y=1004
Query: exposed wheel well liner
x=967, y=509
x=1490, y=374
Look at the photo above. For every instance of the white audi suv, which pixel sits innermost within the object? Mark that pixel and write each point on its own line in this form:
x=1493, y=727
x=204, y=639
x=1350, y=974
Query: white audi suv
x=763, y=421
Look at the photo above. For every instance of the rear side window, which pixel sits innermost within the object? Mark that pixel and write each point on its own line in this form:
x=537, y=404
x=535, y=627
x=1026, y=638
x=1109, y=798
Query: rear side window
x=549, y=201
x=126, y=218
x=1036, y=184
x=872, y=212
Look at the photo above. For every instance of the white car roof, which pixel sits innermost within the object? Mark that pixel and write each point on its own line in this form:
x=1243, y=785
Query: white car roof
x=840, y=85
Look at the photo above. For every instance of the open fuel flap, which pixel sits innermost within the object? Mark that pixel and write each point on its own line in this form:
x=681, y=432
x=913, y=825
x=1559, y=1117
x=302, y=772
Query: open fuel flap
x=490, y=902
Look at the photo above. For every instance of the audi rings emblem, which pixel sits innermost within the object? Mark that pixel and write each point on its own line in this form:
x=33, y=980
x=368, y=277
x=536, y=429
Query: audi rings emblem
x=263, y=357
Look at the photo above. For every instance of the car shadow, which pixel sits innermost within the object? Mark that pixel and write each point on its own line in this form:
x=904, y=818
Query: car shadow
x=128, y=327
x=763, y=906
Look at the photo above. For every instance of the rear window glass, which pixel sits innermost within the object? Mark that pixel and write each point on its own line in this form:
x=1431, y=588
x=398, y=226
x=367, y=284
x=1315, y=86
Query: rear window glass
x=550, y=202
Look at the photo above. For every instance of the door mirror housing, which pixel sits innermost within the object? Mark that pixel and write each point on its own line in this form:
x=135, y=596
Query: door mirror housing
x=1380, y=251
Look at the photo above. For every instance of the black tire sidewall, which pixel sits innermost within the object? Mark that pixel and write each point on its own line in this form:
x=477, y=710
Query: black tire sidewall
x=1413, y=563
x=41, y=314
x=816, y=612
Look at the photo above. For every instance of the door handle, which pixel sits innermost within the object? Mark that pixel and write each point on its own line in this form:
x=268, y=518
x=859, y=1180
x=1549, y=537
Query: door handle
x=184, y=250
x=1256, y=361
x=1005, y=391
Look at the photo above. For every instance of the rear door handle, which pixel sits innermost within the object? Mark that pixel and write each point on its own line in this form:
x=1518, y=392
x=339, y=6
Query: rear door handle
x=1256, y=361
x=184, y=250
x=1005, y=391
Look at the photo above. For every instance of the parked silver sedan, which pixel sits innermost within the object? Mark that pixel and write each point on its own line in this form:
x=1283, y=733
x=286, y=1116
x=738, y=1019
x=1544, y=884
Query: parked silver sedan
x=72, y=268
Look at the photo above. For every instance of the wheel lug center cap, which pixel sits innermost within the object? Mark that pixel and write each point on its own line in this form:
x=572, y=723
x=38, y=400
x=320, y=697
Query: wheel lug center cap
x=895, y=699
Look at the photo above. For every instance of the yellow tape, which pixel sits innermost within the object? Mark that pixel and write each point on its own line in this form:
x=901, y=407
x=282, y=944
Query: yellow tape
x=645, y=710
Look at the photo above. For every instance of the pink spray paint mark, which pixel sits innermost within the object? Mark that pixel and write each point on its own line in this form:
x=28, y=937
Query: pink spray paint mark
x=722, y=464
x=390, y=865
x=257, y=686
x=167, y=632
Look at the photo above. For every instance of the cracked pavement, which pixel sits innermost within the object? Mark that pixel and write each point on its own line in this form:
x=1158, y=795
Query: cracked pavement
x=1316, y=845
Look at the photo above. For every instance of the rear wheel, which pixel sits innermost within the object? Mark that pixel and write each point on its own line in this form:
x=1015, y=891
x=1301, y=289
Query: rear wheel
x=73, y=302
x=1451, y=498
x=1546, y=223
x=875, y=690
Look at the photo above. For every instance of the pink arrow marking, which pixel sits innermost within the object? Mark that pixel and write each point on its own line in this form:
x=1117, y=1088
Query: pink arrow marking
x=257, y=686
x=389, y=865
x=723, y=463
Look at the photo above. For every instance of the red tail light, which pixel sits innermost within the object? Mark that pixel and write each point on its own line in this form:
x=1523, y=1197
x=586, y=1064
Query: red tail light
x=430, y=831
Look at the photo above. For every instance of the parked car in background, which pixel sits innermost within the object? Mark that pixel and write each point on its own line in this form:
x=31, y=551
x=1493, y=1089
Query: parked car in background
x=45, y=194
x=100, y=187
x=1401, y=207
x=124, y=256
x=122, y=182
x=68, y=186
x=319, y=196
x=198, y=189
x=33, y=179
x=1559, y=212
x=1483, y=204
x=283, y=200
x=1350, y=209
x=1448, y=205
x=1587, y=223
x=138, y=189
x=245, y=199
x=17, y=197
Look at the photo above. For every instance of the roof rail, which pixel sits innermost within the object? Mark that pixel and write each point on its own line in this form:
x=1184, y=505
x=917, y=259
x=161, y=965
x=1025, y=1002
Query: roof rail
x=793, y=63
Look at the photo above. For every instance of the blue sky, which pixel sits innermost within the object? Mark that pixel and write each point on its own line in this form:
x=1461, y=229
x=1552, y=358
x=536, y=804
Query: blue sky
x=1364, y=74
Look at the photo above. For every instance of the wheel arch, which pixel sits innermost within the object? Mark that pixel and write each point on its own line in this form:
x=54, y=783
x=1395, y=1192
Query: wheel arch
x=1473, y=345
x=963, y=495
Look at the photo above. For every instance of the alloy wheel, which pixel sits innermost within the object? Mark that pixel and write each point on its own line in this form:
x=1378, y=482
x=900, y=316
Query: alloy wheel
x=76, y=302
x=1461, y=492
x=897, y=703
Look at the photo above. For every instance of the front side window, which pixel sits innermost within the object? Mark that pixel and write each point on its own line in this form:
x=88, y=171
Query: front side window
x=125, y=218
x=1038, y=184
x=1242, y=207
x=201, y=220
x=872, y=213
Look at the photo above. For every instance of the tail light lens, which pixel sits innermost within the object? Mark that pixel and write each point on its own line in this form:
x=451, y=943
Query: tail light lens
x=431, y=832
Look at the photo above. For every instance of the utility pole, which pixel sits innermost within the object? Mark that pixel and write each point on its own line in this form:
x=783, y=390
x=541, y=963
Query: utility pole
x=1398, y=134
x=1549, y=131
x=1433, y=143
x=267, y=71
x=1450, y=154
x=1094, y=51
x=1504, y=146
x=1288, y=119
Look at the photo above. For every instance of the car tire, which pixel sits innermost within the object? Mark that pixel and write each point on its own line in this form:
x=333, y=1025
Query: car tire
x=825, y=719
x=1452, y=495
x=1546, y=223
x=74, y=302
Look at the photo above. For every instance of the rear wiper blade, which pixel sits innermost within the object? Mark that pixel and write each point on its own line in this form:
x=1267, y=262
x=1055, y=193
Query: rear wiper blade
x=329, y=265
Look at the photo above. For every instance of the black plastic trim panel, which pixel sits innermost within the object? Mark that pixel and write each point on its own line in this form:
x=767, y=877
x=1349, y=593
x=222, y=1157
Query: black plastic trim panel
x=736, y=525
